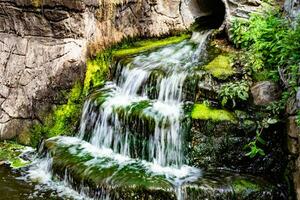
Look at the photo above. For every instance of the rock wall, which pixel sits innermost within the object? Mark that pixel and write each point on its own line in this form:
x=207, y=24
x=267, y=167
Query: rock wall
x=292, y=7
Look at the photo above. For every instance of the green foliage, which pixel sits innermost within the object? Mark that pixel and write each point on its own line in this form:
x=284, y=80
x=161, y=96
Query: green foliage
x=271, y=45
x=254, y=149
x=254, y=146
x=234, y=91
x=220, y=67
x=205, y=112
x=269, y=39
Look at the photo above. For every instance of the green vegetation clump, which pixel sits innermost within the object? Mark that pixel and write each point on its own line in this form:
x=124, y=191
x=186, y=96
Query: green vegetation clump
x=242, y=185
x=146, y=45
x=220, y=67
x=234, y=91
x=271, y=45
x=204, y=112
x=97, y=71
x=63, y=119
x=10, y=152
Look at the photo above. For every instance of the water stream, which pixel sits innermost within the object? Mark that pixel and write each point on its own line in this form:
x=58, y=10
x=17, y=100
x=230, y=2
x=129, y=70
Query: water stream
x=108, y=122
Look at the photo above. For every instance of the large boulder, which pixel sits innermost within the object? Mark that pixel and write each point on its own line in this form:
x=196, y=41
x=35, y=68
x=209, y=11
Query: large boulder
x=264, y=92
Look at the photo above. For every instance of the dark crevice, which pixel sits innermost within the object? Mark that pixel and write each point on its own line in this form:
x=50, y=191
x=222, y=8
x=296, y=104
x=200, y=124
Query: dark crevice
x=210, y=13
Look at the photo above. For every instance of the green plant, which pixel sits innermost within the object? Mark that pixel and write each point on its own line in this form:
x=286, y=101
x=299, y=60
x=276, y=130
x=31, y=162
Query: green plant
x=254, y=146
x=298, y=118
x=234, y=91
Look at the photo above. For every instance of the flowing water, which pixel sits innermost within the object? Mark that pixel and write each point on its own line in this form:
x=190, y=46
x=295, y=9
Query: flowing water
x=138, y=117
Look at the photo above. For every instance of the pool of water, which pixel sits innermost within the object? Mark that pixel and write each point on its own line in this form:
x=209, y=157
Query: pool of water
x=14, y=187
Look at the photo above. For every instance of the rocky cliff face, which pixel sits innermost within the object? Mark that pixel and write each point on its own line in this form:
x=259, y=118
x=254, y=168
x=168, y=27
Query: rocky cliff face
x=44, y=44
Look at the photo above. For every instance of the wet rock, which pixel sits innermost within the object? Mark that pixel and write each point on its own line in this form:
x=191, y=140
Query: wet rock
x=296, y=178
x=102, y=172
x=264, y=92
x=292, y=7
x=221, y=144
x=293, y=129
x=293, y=132
x=227, y=185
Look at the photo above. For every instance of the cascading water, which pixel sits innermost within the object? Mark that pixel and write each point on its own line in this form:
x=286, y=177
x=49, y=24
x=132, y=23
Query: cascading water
x=106, y=121
x=165, y=144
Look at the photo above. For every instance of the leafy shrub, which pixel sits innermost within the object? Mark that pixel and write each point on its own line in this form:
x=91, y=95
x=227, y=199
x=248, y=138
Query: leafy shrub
x=234, y=91
x=271, y=45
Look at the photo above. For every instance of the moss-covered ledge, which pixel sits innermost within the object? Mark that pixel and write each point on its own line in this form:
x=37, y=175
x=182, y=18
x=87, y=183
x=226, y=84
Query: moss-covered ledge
x=220, y=67
x=202, y=111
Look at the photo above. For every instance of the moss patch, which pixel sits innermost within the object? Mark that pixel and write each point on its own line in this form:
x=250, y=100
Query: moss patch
x=10, y=152
x=220, y=67
x=97, y=71
x=204, y=112
x=242, y=185
x=146, y=45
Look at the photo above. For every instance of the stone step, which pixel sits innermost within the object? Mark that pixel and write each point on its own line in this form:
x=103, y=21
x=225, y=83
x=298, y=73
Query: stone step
x=105, y=173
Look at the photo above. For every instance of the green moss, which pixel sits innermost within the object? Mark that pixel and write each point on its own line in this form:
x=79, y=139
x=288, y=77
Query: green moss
x=97, y=71
x=204, y=112
x=242, y=185
x=31, y=136
x=62, y=120
x=10, y=152
x=146, y=45
x=66, y=116
x=220, y=67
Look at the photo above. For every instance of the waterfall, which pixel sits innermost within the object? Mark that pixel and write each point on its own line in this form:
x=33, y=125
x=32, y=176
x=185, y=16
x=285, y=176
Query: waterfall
x=165, y=144
x=127, y=118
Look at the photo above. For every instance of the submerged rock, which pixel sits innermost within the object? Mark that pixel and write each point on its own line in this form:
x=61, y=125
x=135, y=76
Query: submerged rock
x=106, y=173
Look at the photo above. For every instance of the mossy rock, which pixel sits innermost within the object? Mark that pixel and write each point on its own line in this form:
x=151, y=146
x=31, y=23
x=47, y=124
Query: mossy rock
x=10, y=152
x=105, y=173
x=146, y=45
x=205, y=112
x=220, y=67
x=227, y=185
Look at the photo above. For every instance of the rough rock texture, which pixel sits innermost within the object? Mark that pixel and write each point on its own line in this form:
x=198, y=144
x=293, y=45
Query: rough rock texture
x=264, y=92
x=292, y=7
x=43, y=47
